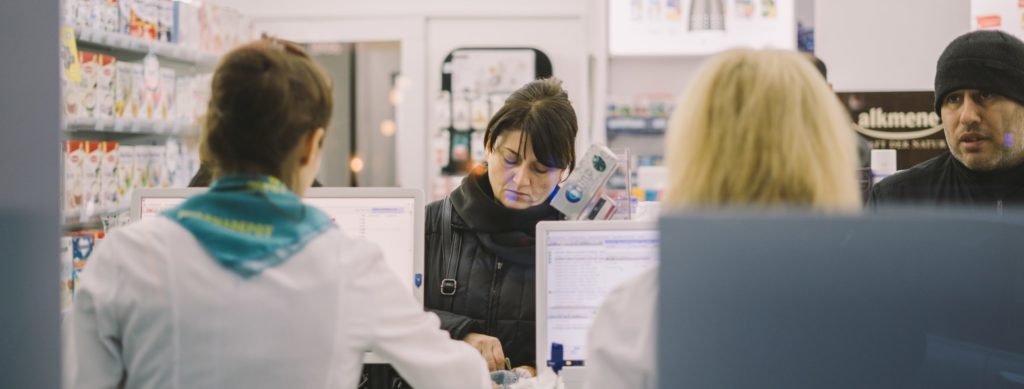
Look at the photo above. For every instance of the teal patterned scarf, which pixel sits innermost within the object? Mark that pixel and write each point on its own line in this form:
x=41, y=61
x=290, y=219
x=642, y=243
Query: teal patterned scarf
x=250, y=223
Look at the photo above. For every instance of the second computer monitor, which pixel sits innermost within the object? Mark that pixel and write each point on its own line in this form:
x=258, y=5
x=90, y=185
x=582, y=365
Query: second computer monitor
x=578, y=263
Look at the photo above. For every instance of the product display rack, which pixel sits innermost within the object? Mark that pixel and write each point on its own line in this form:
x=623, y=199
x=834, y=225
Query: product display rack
x=132, y=126
x=77, y=221
x=636, y=125
x=123, y=42
x=129, y=131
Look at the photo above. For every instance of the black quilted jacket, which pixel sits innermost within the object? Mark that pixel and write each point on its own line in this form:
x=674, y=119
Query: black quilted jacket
x=495, y=271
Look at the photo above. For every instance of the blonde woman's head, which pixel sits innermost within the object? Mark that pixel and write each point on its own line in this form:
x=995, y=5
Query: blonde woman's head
x=761, y=129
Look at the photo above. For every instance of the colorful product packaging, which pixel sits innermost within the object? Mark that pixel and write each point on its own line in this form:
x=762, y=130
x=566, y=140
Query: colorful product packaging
x=182, y=102
x=109, y=15
x=125, y=173
x=91, y=173
x=167, y=95
x=141, y=175
x=157, y=167
x=186, y=25
x=109, y=197
x=585, y=183
x=138, y=92
x=86, y=89
x=87, y=13
x=143, y=19
x=66, y=272
x=165, y=19
x=74, y=156
x=150, y=87
x=83, y=244
x=123, y=91
x=105, y=86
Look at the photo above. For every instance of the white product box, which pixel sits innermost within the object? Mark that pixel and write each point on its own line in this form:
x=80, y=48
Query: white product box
x=91, y=175
x=105, y=88
x=157, y=163
x=143, y=19
x=124, y=16
x=167, y=95
x=66, y=271
x=186, y=25
x=586, y=182
x=109, y=18
x=165, y=18
x=173, y=164
x=182, y=101
x=150, y=87
x=74, y=156
x=123, y=91
x=87, y=14
x=141, y=170
x=86, y=93
x=125, y=173
x=109, y=168
x=480, y=114
x=138, y=92
x=69, y=10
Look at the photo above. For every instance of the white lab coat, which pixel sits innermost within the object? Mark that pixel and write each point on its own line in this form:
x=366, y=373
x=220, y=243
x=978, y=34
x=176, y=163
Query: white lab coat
x=154, y=310
x=620, y=346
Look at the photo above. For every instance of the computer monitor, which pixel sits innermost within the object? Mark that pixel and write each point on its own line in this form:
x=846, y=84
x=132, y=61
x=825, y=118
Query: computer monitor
x=803, y=301
x=390, y=217
x=578, y=263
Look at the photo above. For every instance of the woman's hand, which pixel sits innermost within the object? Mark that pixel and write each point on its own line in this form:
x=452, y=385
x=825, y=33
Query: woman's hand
x=529, y=371
x=490, y=349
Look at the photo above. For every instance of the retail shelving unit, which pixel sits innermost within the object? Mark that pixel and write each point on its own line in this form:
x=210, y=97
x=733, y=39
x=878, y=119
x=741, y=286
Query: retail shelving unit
x=167, y=50
x=126, y=130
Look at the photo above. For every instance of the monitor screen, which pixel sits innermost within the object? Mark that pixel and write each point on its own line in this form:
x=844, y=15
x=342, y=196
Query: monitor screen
x=582, y=267
x=388, y=222
x=914, y=300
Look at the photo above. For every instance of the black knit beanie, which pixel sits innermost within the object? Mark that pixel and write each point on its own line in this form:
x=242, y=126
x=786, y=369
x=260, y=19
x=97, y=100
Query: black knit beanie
x=985, y=60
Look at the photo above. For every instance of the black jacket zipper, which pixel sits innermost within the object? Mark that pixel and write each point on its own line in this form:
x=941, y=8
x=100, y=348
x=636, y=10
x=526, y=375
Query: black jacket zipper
x=492, y=297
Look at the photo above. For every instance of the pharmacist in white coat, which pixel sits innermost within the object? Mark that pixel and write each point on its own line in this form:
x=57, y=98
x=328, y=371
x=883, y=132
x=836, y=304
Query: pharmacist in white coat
x=244, y=286
x=791, y=148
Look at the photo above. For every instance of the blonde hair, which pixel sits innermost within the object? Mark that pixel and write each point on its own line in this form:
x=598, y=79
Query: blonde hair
x=761, y=128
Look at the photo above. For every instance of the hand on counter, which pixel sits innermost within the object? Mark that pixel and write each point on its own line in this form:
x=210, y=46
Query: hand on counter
x=490, y=349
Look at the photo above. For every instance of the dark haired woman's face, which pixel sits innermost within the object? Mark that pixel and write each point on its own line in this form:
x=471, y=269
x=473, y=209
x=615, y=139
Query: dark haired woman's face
x=519, y=181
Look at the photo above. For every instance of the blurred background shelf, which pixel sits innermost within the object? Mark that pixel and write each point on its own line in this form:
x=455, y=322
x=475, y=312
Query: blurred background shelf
x=139, y=46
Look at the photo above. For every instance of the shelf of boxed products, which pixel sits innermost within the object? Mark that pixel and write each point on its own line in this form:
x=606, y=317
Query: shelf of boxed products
x=636, y=125
x=141, y=45
x=132, y=126
x=97, y=218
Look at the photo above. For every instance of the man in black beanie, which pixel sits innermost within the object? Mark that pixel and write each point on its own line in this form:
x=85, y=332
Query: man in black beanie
x=979, y=94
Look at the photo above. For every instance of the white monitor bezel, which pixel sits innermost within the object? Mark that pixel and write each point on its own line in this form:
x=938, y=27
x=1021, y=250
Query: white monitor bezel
x=543, y=228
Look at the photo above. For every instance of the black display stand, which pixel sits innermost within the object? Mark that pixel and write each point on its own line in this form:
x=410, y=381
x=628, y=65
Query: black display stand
x=461, y=147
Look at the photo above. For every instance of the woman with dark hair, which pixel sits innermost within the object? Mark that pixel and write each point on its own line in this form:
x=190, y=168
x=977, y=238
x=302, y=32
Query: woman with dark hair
x=244, y=286
x=480, y=239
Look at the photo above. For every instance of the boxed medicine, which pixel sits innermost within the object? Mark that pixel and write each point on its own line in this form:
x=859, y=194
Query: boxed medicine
x=91, y=173
x=125, y=173
x=123, y=91
x=138, y=92
x=105, y=88
x=166, y=100
x=165, y=21
x=186, y=25
x=86, y=93
x=109, y=197
x=585, y=183
x=141, y=167
x=74, y=154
